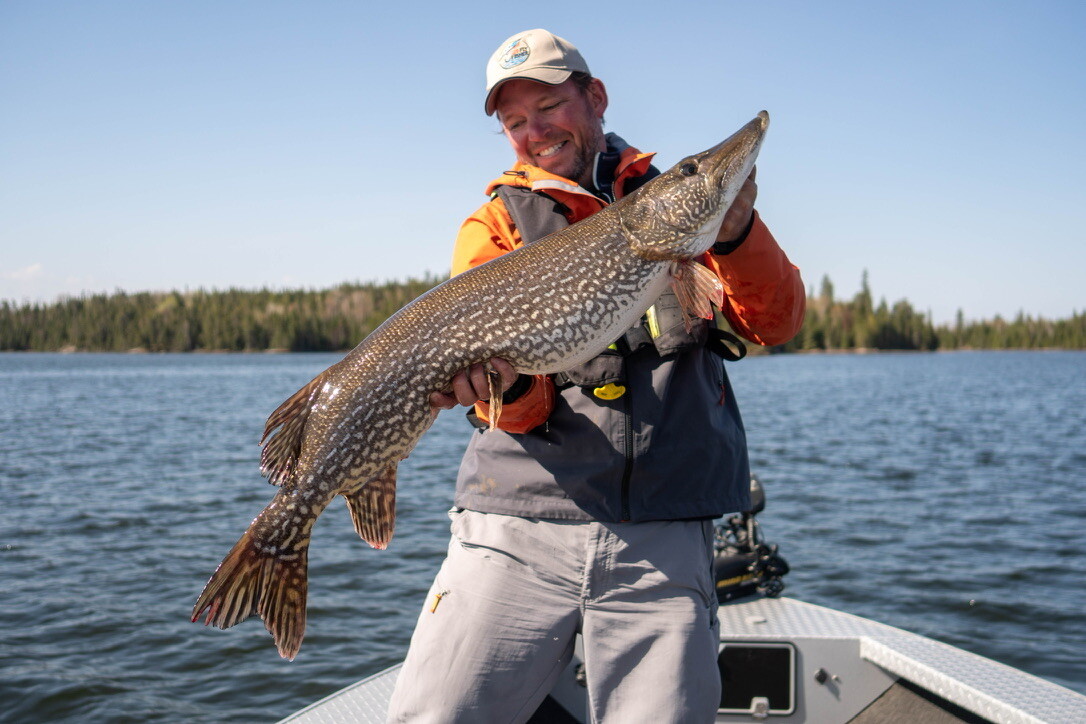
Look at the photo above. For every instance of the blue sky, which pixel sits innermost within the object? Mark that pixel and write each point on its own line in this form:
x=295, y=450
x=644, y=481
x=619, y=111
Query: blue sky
x=149, y=145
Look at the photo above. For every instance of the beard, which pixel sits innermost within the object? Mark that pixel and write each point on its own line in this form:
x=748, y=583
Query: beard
x=583, y=162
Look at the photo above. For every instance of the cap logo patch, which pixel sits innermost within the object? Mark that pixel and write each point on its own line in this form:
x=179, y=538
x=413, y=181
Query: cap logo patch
x=517, y=52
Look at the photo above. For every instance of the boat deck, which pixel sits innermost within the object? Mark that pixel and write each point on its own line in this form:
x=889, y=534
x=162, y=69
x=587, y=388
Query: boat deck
x=994, y=691
x=844, y=669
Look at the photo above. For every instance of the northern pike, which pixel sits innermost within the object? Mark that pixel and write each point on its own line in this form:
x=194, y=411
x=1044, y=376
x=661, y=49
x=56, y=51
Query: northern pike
x=545, y=307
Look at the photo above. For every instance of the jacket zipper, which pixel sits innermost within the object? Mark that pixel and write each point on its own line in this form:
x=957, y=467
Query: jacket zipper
x=627, y=436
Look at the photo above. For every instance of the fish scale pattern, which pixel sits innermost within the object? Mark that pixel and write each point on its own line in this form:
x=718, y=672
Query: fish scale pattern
x=388, y=381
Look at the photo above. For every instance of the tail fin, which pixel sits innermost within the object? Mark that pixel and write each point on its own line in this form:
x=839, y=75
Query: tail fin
x=249, y=581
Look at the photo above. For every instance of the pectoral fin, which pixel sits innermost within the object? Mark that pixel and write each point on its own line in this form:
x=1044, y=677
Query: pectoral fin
x=495, y=401
x=697, y=289
x=373, y=508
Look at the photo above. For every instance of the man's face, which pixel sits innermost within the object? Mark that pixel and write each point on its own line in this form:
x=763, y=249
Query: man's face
x=558, y=128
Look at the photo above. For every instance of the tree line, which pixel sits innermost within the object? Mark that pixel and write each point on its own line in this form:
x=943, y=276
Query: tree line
x=336, y=319
x=233, y=320
x=859, y=323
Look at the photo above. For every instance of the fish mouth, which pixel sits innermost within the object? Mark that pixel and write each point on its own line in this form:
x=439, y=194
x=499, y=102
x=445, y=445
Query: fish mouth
x=733, y=158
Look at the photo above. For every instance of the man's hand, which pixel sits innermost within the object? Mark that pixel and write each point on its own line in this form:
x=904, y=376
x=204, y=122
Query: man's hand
x=739, y=215
x=470, y=385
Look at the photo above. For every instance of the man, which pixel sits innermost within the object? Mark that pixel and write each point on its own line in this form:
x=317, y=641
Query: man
x=589, y=510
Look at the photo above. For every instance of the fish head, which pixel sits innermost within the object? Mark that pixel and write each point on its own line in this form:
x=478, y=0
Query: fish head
x=677, y=215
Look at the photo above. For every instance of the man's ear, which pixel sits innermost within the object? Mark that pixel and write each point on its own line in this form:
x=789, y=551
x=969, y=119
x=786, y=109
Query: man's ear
x=597, y=97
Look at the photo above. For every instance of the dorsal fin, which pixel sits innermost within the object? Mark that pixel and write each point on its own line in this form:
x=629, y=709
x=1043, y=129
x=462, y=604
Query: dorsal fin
x=280, y=455
x=373, y=508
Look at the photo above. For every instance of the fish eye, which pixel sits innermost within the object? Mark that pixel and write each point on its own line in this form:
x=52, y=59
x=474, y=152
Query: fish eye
x=688, y=169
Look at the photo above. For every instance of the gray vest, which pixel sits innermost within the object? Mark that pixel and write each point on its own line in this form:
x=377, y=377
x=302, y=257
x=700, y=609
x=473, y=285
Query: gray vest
x=647, y=430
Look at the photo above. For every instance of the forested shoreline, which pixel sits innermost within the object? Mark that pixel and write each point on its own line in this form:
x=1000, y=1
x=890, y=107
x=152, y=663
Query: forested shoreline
x=862, y=324
x=238, y=320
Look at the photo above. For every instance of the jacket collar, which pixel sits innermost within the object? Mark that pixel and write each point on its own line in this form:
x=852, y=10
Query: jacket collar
x=631, y=162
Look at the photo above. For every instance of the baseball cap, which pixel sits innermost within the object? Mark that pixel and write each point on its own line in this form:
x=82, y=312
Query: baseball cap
x=538, y=55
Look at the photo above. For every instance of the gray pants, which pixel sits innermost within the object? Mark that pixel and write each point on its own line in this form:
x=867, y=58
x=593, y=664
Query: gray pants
x=498, y=625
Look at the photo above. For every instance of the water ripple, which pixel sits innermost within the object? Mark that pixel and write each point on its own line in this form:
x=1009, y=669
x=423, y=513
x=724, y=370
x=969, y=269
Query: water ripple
x=900, y=488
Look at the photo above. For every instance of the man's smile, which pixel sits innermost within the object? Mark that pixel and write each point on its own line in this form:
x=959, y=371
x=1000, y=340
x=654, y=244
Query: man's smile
x=551, y=150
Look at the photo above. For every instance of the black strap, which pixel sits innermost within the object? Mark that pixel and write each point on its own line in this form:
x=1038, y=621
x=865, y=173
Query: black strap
x=722, y=248
x=718, y=344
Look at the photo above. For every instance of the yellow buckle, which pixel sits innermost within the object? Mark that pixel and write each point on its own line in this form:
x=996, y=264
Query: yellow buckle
x=610, y=391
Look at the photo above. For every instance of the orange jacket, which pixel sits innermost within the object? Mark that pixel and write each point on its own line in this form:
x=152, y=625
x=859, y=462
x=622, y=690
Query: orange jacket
x=764, y=296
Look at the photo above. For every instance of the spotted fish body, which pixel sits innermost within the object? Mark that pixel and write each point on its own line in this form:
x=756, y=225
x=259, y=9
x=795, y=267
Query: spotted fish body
x=544, y=307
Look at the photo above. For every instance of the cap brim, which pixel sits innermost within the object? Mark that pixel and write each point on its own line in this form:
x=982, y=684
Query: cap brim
x=549, y=76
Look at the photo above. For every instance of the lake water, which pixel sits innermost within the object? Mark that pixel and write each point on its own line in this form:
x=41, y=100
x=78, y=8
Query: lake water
x=941, y=493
